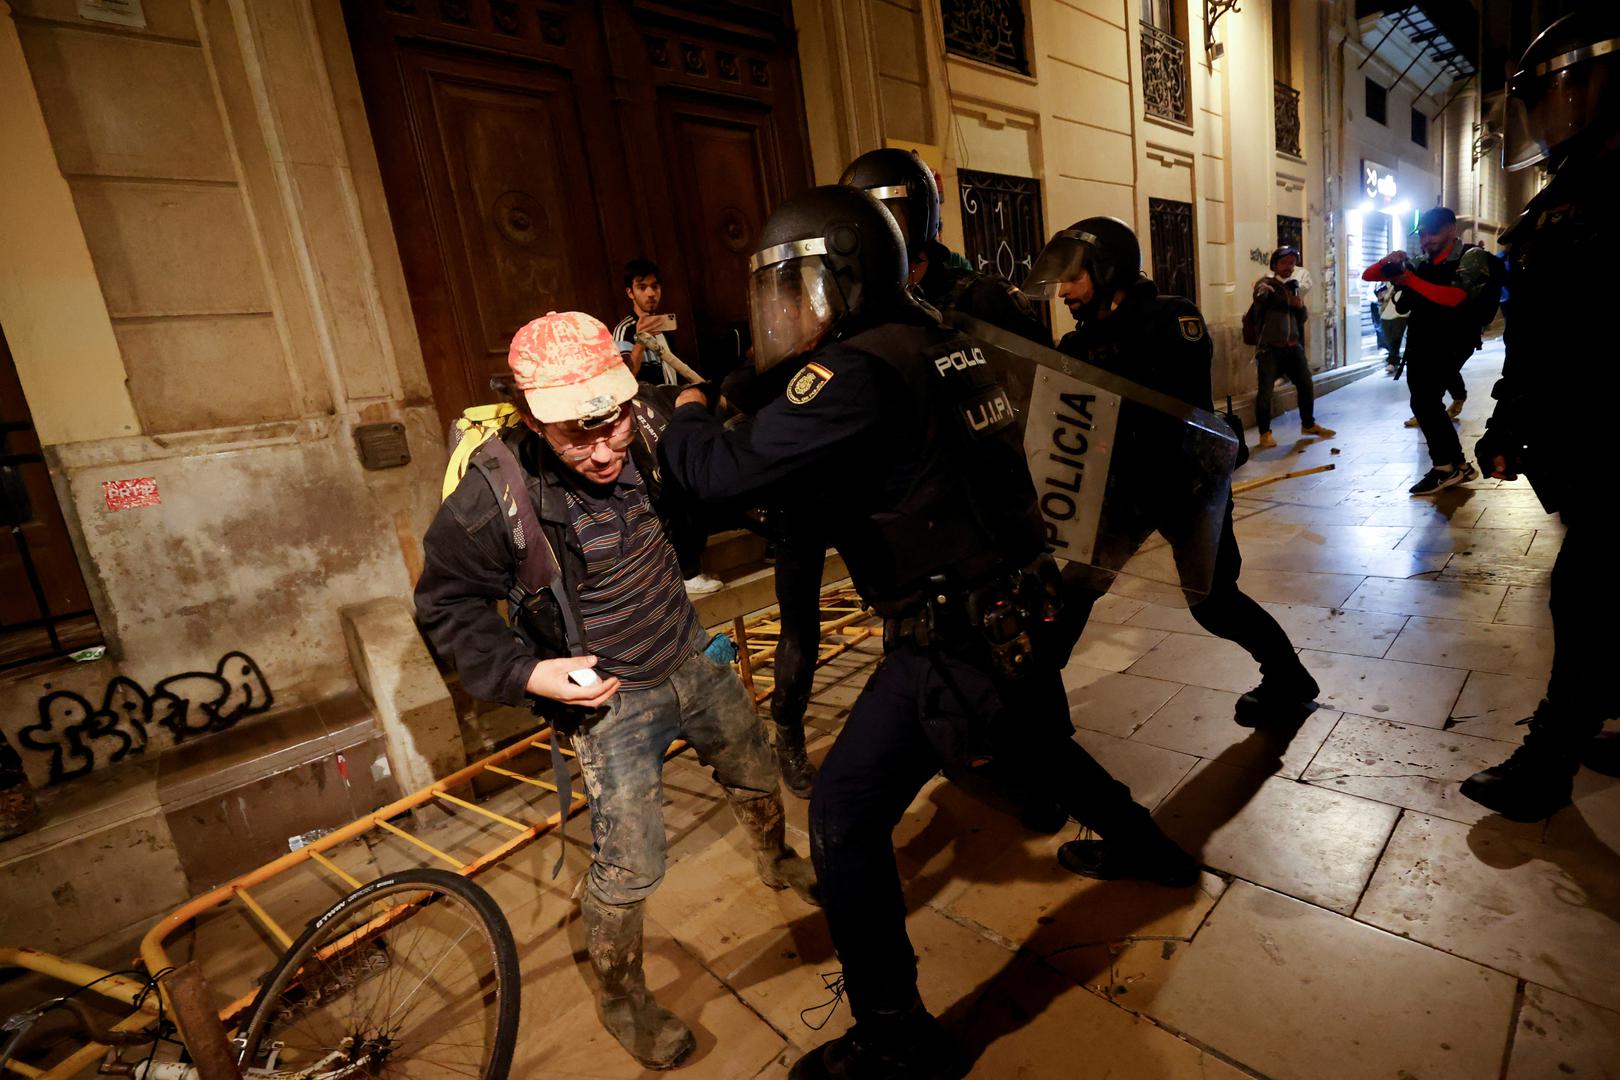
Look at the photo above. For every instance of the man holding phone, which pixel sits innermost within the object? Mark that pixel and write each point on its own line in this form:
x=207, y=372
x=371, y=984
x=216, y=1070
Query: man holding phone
x=612, y=652
x=645, y=288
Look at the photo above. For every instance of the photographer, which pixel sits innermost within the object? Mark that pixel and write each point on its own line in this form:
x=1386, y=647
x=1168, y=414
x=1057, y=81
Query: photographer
x=645, y=289
x=1442, y=289
x=1281, y=316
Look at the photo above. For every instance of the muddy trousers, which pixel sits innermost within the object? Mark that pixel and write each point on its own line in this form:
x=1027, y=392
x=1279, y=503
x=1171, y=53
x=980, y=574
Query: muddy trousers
x=621, y=759
x=922, y=712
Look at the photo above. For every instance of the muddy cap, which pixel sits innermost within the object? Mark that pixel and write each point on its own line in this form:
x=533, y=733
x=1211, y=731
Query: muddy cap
x=569, y=368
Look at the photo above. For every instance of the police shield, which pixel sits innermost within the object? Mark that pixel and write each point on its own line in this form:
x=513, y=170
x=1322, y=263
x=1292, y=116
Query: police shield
x=1133, y=484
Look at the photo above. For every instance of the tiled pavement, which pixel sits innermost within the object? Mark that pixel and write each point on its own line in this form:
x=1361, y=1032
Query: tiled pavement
x=1358, y=919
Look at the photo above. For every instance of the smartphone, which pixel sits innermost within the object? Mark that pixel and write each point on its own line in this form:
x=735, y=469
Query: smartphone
x=584, y=677
x=661, y=324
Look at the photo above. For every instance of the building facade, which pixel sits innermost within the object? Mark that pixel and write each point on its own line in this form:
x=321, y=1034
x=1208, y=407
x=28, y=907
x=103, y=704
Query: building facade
x=258, y=253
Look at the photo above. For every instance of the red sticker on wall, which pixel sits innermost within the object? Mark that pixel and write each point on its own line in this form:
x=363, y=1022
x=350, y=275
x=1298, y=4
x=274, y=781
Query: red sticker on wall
x=128, y=494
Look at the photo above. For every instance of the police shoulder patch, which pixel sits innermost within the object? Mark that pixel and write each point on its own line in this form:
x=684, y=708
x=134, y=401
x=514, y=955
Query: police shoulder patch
x=808, y=383
x=1192, y=327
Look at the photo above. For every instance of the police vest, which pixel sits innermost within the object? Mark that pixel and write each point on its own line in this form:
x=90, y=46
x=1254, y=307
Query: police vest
x=968, y=511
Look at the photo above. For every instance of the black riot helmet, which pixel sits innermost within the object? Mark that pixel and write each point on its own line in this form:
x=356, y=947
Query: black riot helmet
x=1568, y=84
x=904, y=184
x=829, y=256
x=1104, y=247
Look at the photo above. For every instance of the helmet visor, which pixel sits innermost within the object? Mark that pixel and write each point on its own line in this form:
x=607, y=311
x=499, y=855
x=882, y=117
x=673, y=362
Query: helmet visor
x=1521, y=143
x=791, y=306
x=1062, y=260
x=896, y=200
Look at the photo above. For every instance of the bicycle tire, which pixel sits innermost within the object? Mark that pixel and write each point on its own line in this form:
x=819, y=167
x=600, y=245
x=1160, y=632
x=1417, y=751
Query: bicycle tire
x=442, y=885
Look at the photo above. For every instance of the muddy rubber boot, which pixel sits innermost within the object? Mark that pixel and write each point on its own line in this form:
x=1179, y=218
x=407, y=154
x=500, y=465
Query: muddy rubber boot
x=906, y=1045
x=653, y=1035
x=779, y=867
x=1539, y=778
x=797, y=772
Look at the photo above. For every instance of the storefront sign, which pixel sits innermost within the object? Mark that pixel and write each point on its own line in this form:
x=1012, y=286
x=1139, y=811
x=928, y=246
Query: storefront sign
x=1377, y=182
x=128, y=494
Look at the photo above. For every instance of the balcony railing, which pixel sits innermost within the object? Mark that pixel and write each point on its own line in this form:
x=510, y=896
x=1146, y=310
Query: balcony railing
x=1164, y=74
x=1285, y=103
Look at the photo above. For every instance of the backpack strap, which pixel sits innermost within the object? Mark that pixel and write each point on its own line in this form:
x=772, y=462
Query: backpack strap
x=472, y=429
x=537, y=570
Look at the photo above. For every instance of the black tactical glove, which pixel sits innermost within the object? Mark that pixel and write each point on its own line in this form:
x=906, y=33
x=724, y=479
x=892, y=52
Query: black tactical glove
x=1498, y=442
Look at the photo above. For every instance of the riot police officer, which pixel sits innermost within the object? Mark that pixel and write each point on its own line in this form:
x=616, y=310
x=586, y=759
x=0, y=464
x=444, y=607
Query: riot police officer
x=904, y=184
x=1564, y=109
x=1124, y=325
x=894, y=431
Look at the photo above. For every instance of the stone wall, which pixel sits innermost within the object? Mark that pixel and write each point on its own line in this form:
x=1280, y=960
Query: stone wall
x=203, y=290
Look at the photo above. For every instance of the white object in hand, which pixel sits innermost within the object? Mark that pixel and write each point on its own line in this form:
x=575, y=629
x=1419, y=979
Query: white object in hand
x=585, y=677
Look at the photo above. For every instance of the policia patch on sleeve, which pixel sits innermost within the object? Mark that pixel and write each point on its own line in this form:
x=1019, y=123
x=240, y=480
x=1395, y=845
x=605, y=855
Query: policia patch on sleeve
x=1192, y=327
x=804, y=386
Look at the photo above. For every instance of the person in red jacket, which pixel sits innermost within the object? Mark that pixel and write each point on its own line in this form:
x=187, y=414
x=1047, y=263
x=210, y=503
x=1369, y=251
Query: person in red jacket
x=1443, y=288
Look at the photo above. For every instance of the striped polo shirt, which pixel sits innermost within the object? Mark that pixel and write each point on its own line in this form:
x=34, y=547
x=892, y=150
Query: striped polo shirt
x=635, y=614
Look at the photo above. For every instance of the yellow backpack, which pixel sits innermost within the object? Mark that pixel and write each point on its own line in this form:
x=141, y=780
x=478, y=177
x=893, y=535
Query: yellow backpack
x=472, y=429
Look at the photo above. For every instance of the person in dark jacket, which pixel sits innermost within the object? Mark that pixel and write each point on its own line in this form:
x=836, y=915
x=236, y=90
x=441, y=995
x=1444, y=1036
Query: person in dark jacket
x=1564, y=109
x=1281, y=313
x=1441, y=289
x=615, y=656
x=1125, y=326
x=894, y=430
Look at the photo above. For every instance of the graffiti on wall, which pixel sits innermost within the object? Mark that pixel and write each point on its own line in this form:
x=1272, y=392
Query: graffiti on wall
x=80, y=736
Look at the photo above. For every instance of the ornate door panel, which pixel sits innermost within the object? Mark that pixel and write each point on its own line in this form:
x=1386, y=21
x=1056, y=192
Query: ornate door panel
x=530, y=147
x=724, y=161
x=516, y=224
x=1174, y=247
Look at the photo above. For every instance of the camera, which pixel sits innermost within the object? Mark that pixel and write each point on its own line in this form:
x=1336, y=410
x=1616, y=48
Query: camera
x=1391, y=271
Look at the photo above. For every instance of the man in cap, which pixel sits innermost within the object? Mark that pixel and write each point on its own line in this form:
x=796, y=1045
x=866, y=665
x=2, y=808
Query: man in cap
x=1563, y=110
x=1281, y=311
x=612, y=653
x=1125, y=326
x=895, y=431
x=1443, y=287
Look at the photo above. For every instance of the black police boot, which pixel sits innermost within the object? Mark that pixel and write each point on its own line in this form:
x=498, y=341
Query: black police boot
x=653, y=1035
x=1043, y=816
x=1539, y=778
x=1279, y=701
x=797, y=772
x=1148, y=856
x=904, y=1045
x=1603, y=753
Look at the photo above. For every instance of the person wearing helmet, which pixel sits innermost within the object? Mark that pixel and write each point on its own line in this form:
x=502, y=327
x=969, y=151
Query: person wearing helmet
x=1125, y=326
x=612, y=652
x=1442, y=290
x=905, y=185
x=1563, y=111
x=1278, y=298
x=893, y=432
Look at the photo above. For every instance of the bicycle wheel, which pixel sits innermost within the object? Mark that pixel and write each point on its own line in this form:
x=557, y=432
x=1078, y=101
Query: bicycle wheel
x=412, y=976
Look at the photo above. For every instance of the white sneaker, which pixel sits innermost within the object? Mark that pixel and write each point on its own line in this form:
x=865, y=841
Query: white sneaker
x=703, y=585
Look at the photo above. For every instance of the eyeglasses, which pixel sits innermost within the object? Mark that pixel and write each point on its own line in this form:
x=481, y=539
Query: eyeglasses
x=580, y=446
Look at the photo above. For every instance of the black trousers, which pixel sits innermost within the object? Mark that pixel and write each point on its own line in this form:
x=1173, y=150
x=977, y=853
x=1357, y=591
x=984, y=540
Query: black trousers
x=1227, y=612
x=1585, y=594
x=924, y=711
x=801, y=556
x=1430, y=373
x=1285, y=361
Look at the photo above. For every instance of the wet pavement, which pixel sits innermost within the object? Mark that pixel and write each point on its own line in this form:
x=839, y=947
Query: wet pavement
x=1357, y=918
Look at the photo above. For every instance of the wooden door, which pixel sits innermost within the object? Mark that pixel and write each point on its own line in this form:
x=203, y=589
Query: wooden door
x=44, y=605
x=529, y=150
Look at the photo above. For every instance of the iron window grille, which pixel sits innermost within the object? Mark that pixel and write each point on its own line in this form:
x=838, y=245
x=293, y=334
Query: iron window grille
x=989, y=31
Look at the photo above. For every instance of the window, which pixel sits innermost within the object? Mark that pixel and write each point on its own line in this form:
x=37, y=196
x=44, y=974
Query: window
x=1376, y=103
x=989, y=31
x=1175, y=263
x=1164, y=61
x=1282, y=41
x=1420, y=128
x=1290, y=232
x=1001, y=224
